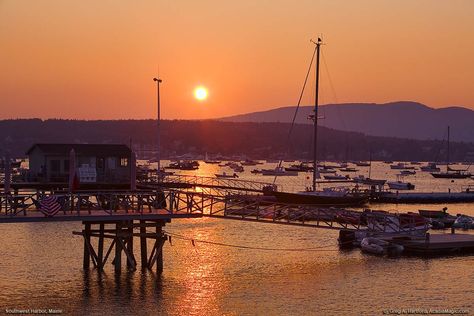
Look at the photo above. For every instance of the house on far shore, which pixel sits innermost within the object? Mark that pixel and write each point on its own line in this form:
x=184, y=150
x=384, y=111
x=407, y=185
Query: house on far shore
x=95, y=163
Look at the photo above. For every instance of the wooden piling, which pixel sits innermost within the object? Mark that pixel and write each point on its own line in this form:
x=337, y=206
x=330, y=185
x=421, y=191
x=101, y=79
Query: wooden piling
x=118, y=247
x=130, y=245
x=143, y=248
x=100, y=247
x=159, y=243
x=87, y=239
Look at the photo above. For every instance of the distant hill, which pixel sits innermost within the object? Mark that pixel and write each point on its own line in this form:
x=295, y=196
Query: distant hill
x=397, y=119
x=228, y=139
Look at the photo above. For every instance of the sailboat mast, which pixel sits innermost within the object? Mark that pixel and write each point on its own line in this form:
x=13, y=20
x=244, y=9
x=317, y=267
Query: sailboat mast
x=316, y=100
x=447, y=162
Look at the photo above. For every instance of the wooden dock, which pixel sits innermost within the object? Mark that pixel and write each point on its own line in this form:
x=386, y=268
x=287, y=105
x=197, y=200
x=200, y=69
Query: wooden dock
x=110, y=218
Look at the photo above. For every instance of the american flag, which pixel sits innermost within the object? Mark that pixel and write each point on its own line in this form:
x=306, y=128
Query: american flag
x=49, y=205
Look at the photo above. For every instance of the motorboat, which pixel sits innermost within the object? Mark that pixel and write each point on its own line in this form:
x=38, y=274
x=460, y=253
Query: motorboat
x=464, y=222
x=400, y=185
x=378, y=246
x=368, y=181
x=278, y=171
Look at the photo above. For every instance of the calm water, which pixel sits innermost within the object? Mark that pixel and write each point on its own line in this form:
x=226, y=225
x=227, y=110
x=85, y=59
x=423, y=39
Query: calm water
x=41, y=267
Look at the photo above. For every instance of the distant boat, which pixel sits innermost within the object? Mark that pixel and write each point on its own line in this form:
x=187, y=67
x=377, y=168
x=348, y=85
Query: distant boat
x=225, y=175
x=278, y=171
x=324, y=170
x=401, y=166
x=299, y=167
x=400, y=185
x=211, y=161
x=184, y=165
x=430, y=167
x=362, y=163
x=451, y=173
x=349, y=169
x=368, y=181
x=235, y=166
x=249, y=162
x=336, y=177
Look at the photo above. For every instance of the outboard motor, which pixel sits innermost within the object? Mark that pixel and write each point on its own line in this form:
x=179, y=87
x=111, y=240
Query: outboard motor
x=346, y=238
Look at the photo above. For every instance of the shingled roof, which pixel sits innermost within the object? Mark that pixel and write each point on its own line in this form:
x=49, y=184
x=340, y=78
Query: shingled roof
x=83, y=149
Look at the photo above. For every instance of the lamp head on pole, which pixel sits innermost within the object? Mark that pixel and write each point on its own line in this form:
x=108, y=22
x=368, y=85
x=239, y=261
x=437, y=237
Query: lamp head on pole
x=157, y=79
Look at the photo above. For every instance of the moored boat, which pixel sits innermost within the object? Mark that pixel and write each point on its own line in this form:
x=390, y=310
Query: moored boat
x=400, y=185
x=328, y=196
x=378, y=246
x=336, y=177
x=225, y=175
x=278, y=171
x=368, y=181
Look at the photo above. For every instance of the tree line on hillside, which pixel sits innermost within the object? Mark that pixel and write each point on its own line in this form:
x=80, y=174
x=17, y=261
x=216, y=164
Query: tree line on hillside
x=254, y=140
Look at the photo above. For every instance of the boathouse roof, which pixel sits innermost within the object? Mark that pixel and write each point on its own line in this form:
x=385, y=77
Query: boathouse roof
x=82, y=149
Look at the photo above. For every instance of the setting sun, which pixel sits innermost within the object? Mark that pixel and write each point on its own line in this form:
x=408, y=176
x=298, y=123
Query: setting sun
x=200, y=93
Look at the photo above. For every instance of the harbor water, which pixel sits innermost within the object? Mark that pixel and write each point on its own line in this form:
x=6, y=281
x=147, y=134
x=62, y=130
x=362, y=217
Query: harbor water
x=41, y=268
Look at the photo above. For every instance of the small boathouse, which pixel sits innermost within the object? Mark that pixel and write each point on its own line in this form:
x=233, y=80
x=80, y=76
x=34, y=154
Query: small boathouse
x=94, y=163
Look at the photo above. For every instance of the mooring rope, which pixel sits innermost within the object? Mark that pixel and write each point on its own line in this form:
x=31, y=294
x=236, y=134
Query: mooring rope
x=194, y=241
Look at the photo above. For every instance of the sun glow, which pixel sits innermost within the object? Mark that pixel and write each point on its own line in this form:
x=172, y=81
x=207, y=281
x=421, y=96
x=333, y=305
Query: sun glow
x=200, y=93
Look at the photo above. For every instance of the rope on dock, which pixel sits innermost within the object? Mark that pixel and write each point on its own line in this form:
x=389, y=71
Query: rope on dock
x=194, y=241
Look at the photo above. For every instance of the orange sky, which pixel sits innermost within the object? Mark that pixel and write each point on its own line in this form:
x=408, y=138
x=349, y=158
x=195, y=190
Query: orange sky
x=96, y=59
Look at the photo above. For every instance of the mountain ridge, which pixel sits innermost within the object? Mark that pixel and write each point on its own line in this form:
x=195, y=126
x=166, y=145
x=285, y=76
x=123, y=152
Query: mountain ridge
x=403, y=119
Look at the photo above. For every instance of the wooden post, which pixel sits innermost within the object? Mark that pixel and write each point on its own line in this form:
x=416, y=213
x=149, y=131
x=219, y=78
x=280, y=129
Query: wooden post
x=87, y=239
x=130, y=242
x=118, y=247
x=159, y=239
x=143, y=250
x=100, y=249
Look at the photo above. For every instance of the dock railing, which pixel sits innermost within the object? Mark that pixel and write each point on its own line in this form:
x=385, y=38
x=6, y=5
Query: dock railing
x=220, y=183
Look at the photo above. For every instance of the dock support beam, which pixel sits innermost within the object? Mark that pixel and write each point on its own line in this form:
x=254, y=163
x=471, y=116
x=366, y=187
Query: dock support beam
x=120, y=241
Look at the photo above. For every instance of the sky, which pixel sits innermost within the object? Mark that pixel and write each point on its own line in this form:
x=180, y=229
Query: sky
x=91, y=59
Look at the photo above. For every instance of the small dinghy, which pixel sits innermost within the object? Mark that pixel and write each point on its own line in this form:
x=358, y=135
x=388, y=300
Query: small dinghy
x=464, y=222
x=380, y=247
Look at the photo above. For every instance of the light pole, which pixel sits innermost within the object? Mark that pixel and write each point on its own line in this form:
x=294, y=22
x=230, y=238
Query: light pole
x=158, y=155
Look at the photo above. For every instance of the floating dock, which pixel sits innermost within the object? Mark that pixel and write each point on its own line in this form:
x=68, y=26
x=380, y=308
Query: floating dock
x=437, y=244
x=433, y=197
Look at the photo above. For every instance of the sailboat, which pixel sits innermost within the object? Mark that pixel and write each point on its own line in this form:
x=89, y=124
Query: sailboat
x=338, y=196
x=451, y=173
